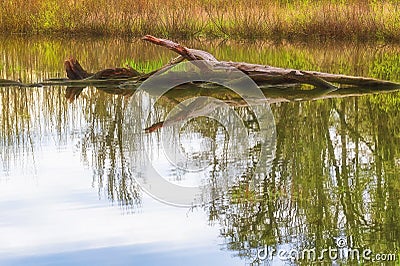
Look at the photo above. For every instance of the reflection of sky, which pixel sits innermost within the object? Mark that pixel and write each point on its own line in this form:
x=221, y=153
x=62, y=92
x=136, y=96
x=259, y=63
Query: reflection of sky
x=53, y=216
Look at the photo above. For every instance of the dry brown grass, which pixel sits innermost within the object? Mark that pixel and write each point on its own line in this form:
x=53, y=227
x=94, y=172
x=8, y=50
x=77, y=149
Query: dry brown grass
x=303, y=19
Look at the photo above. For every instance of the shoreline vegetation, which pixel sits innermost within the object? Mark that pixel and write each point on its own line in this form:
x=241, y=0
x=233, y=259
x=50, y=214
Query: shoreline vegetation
x=355, y=20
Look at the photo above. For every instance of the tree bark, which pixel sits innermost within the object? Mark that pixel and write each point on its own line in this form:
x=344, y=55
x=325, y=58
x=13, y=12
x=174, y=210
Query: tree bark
x=76, y=72
x=274, y=75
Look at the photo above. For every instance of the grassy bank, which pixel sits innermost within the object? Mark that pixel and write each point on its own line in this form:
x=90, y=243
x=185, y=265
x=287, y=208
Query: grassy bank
x=276, y=19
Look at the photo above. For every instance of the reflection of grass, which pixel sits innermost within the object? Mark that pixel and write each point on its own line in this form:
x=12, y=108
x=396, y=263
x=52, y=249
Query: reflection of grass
x=21, y=56
x=151, y=65
x=358, y=19
x=386, y=67
x=389, y=103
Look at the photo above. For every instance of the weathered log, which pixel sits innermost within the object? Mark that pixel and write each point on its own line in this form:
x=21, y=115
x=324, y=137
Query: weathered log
x=124, y=81
x=76, y=72
x=261, y=74
x=193, y=54
x=276, y=75
x=273, y=75
x=8, y=83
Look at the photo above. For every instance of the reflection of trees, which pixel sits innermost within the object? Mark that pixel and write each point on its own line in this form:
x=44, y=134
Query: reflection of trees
x=32, y=117
x=337, y=161
x=335, y=172
x=102, y=147
x=386, y=184
x=219, y=153
x=13, y=125
x=23, y=126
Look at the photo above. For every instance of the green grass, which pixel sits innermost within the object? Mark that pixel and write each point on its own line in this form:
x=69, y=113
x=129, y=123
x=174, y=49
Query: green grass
x=363, y=20
x=145, y=66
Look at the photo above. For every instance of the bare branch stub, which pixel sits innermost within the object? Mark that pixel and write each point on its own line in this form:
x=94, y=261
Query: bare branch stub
x=187, y=53
x=74, y=69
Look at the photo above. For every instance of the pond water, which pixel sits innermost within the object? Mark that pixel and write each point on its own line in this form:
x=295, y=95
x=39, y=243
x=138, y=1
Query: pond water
x=73, y=162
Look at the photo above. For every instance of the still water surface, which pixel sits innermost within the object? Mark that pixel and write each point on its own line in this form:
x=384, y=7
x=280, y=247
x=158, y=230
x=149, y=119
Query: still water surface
x=68, y=193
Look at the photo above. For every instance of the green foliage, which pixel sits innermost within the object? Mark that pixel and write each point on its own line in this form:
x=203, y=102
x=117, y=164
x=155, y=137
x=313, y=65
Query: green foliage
x=143, y=67
x=389, y=103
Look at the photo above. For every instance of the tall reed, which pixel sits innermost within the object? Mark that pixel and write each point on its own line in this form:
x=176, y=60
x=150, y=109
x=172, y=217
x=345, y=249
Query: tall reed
x=251, y=19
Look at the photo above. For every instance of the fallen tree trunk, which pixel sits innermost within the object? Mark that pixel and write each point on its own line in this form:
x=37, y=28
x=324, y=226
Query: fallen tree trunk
x=273, y=75
x=263, y=75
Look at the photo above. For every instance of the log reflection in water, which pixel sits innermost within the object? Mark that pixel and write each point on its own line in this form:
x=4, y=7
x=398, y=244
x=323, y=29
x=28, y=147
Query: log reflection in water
x=186, y=153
